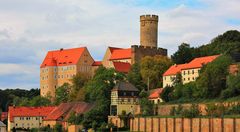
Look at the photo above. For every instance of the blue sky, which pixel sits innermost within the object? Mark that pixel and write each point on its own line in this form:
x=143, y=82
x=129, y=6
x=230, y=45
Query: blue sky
x=29, y=28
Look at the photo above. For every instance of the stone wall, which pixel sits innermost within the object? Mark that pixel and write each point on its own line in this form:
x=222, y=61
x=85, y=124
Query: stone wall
x=185, y=124
x=138, y=52
x=166, y=109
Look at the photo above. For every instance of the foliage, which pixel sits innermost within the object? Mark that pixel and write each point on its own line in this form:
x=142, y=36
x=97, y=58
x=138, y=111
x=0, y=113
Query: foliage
x=167, y=94
x=134, y=76
x=35, y=101
x=125, y=118
x=58, y=128
x=213, y=79
x=8, y=95
x=78, y=82
x=75, y=119
x=233, y=86
x=145, y=103
x=183, y=55
x=98, y=91
x=152, y=68
x=215, y=110
x=62, y=93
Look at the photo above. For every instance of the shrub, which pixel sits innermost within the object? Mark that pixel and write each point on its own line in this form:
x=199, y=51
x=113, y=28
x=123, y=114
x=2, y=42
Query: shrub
x=216, y=110
x=173, y=111
x=234, y=109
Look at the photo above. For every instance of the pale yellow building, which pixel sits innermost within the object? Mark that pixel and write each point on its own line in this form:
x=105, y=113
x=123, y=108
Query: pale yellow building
x=60, y=66
x=124, y=97
x=3, y=127
x=27, y=117
x=189, y=72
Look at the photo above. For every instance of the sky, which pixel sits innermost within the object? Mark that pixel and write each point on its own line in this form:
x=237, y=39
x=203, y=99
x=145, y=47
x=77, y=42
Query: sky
x=30, y=28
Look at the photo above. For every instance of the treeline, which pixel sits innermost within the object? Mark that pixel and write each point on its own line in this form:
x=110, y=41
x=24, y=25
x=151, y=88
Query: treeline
x=227, y=43
x=7, y=96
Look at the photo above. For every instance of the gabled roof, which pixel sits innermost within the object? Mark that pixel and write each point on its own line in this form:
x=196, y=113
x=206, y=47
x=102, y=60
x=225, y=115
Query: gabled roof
x=97, y=63
x=63, y=111
x=118, y=54
x=23, y=111
x=124, y=86
x=122, y=66
x=199, y=62
x=155, y=93
x=173, y=70
x=63, y=57
x=195, y=63
x=113, y=48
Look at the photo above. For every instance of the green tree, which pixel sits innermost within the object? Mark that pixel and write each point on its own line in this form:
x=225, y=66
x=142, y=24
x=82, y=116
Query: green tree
x=145, y=103
x=233, y=86
x=40, y=101
x=213, y=78
x=134, y=76
x=78, y=82
x=152, y=69
x=98, y=91
x=183, y=55
x=167, y=94
x=62, y=93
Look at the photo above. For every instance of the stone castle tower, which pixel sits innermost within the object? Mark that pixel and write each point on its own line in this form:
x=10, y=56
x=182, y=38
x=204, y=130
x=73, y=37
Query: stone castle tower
x=148, y=39
x=149, y=30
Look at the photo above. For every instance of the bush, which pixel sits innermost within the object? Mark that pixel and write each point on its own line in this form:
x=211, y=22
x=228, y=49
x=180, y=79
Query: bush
x=192, y=112
x=234, y=109
x=216, y=110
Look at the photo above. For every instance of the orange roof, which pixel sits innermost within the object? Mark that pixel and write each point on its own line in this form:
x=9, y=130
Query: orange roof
x=155, y=93
x=97, y=63
x=119, y=54
x=64, y=110
x=29, y=111
x=113, y=48
x=199, y=62
x=63, y=57
x=174, y=69
x=195, y=63
x=122, y=66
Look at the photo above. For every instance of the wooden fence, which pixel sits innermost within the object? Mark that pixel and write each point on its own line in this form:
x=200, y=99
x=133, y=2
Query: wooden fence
x=185, y=124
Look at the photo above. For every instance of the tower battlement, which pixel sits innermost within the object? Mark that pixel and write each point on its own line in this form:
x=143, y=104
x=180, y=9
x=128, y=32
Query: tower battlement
x=149, y=18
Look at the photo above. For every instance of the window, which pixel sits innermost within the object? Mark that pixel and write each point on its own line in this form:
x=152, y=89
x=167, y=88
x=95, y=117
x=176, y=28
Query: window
x=184, y=79
x=132, y=93
x=188, y=79
x=129, y=100
x=192, y=71
x=188, y=72
x=193, y=78
x=124, y=93
x=183, y=72
x=164, y=78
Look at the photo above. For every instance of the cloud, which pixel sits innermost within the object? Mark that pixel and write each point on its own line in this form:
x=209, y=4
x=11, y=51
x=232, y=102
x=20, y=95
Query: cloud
x=28, y=29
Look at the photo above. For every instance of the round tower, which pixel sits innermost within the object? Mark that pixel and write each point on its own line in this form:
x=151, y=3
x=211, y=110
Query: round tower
x=149, y=30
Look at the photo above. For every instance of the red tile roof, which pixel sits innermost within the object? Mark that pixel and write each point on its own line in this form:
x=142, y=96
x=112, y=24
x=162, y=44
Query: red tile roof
x=63, y=57
x=113, y=48
x=199, y=62
x=122, y=66
x=155, y=93
x=97, y=63
x=29, y=111
x=195, y=63
x=63, y=111
x=174, y=69
x=119, y=54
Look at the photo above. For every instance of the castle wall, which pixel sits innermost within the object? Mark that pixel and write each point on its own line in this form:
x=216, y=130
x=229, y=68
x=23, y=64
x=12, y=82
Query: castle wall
x=138, y=52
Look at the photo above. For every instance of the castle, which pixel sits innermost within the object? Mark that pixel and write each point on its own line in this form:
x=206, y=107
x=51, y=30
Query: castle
x=60, y=66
